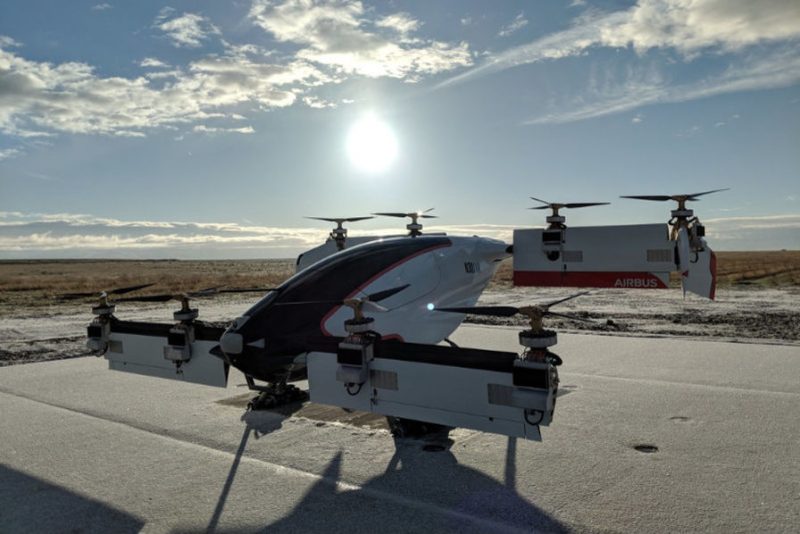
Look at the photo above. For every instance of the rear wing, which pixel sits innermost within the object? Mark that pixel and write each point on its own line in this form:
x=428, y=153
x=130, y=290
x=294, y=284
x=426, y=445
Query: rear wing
x=162, y=350
x=624, y=256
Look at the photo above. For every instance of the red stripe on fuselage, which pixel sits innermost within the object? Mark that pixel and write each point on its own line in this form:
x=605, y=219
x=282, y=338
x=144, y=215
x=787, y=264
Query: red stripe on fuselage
x=368, y=282
x=630, y=280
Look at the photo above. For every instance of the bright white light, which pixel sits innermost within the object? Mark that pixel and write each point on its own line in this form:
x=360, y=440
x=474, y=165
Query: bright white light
x=430, y=306
x=371, y=145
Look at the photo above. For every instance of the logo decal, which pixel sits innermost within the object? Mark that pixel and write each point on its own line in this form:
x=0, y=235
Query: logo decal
x=644, y=283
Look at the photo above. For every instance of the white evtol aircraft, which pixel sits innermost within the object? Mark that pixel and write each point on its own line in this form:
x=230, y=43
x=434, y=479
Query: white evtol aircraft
x=418, y=289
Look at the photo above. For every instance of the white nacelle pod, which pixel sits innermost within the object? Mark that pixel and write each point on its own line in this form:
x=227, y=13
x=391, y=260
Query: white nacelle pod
x=631, y=256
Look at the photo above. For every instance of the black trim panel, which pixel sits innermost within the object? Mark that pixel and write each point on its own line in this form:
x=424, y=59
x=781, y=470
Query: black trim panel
x=202, y=331
x=468, y=358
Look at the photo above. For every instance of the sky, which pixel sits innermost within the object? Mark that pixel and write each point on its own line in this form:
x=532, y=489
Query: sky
x=210, y=129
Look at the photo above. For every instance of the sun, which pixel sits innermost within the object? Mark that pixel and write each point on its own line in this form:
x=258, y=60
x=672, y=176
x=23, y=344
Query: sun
x=371, y=145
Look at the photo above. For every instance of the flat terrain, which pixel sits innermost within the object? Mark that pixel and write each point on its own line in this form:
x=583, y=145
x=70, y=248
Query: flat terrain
x=758, y=300
x=90, y=450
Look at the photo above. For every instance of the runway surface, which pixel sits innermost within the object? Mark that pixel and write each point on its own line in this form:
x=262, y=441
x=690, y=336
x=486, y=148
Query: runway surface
x=85, y=449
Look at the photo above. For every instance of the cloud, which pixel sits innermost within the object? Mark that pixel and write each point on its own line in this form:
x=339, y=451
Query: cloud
x=101, y=7
x=40, y=98
x=151, y=62
x=201, y=128
x=774, y=70
x=340, y=35
x=67, y=235
x=771, y=232
x=515, y=25
x=187, y=30
x=8, y=153
x=74, y=235
x=687, y=27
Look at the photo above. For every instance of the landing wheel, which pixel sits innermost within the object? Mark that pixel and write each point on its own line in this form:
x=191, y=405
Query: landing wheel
x=277, y=395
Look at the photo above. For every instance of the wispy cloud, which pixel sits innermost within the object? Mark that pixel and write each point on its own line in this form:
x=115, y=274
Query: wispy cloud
x=8, y=153
x=724, y=26
x=202, y=128
x=186, y=30
x=101, y=7
x=777, y=69
x=515, y=25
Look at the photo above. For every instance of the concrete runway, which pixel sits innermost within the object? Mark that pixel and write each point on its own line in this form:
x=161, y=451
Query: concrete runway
x=84, y=449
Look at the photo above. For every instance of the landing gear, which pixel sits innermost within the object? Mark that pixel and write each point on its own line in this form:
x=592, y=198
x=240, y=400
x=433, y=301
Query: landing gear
x=409, y=428
x=274, y=395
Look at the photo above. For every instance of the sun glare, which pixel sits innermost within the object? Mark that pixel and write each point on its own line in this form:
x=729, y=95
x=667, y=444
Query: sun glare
x=371, y=145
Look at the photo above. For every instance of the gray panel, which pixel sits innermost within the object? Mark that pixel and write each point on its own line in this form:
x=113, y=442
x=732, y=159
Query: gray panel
x=659, y=255
x=383, y=379
x=573, y=255
x=500, y=394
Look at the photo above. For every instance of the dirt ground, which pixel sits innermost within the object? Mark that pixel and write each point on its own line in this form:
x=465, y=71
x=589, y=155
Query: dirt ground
x=758, y=300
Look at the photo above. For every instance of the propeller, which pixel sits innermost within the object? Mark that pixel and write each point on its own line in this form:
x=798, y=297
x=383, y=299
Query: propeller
x=413, y=214
x=414, y=227
x=207, y=292
x=339, y=234
x=101, y=294
x=680, y=199
x=340, y=220
x=555, y=206
x=368, y=302
x=533, y=313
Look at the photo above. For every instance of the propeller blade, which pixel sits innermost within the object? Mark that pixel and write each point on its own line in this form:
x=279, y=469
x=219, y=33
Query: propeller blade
x=649, y=197
x=495, y=311
x=148, y=298
x=374, y=297
x=429, y=209
x=117, y=291
x=693, y=195
x=340, y=220
x=428, y=216
x=248, y=290
x=123, y=290
x=572, y=317
x=576, y=295
x=585, y=204
x=386, y=293
x=371, y=306
x=540, y=208
x=392, y=214
x=540, y=200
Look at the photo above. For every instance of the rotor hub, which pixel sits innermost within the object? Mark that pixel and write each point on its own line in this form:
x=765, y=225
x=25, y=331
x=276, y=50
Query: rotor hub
x=359, y=326
x=103, y=309
x=538, y=339
x=682, y=213
x=556, y=219
x=186, y=315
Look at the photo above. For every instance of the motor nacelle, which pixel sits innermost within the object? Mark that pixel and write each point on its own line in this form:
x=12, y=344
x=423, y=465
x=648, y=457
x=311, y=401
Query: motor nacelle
x=179, y=344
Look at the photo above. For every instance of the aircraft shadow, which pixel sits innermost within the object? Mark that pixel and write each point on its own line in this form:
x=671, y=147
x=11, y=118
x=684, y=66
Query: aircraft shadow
x=416, y=485
x=30, y=504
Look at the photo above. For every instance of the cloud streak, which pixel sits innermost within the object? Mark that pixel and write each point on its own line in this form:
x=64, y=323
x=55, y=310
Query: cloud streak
x=680, y=25
x=779, y=69
x=66, y=235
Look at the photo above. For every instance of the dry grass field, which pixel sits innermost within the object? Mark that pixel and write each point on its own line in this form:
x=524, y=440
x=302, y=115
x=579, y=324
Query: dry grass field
x=38, y=283
x=758, y=300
